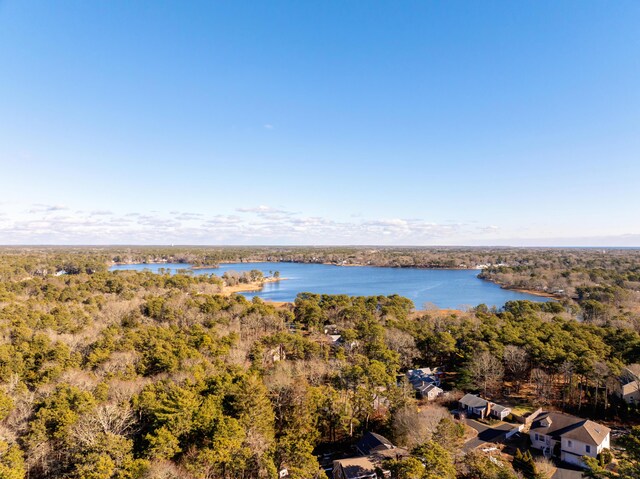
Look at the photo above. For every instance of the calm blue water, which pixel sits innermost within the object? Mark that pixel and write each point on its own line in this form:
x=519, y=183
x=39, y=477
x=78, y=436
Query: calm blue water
x=446, y=288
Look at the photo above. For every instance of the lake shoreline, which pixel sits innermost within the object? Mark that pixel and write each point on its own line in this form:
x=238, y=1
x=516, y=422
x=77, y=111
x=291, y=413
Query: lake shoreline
x=359, y=265
x=450, y=288
x=249, y=287
x=533, y=292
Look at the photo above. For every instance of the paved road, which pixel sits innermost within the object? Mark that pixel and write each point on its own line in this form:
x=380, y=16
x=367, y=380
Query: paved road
x=486, y=434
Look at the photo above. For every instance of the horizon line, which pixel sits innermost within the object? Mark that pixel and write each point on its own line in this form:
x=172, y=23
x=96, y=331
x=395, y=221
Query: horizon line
x=120, y=245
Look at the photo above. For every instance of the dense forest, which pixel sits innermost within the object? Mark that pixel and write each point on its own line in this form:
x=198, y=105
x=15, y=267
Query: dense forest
x=141, y=375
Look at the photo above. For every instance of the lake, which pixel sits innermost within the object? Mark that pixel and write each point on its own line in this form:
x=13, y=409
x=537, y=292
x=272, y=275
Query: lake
x=446, y=288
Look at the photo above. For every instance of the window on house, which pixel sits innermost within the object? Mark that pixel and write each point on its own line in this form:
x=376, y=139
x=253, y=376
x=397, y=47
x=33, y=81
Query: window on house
x=588, y=447
x=569, y=443
x=536, y=436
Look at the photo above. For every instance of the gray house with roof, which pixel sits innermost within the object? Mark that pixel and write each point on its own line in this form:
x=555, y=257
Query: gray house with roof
x=474, y=405
x=426, y=382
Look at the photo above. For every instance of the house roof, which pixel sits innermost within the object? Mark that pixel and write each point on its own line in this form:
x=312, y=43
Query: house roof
x=356, y=467
x=372, y=442
x=383, y=454
x=571, y=427
x=589, y=432
x=634, y=369
x=630, y=388
x=497, y=408
x=418, y=382
x=427, y=387
x=471, y=400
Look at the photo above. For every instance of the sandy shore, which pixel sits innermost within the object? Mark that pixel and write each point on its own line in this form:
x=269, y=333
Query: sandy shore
x=533, y=292
x=249, y=287
x=527, y=291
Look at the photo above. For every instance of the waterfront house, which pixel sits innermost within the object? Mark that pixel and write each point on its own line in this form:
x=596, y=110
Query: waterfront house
x=568, y=437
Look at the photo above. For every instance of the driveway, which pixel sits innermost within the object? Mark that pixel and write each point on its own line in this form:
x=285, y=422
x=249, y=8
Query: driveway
x=486, y=434
x=562, y=473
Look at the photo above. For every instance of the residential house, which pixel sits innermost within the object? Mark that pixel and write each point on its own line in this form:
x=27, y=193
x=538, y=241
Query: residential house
x=499, y=412
x=374, y=450
x=424, y=374
x=354, y=468
x=629, y=386
x=429, y=391
x=426, y=382
x=372, y=442
x=474, y=405
x=568, y=437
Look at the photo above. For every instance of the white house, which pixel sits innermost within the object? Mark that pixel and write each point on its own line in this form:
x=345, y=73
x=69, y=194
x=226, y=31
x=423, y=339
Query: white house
x=568, y=437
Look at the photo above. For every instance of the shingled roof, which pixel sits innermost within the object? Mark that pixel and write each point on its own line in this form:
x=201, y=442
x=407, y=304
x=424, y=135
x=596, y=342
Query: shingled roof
x=571, y=427
x=471, y=400
x=357, y=467
x=499, y=409
x=372, y=442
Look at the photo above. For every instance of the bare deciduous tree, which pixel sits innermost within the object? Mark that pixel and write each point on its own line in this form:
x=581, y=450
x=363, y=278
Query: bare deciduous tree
x=543, y=383
x=516, y=363
x=600, y=373
x=106, y=419
x=486, y=370
x=402, y=343
x=412, y=426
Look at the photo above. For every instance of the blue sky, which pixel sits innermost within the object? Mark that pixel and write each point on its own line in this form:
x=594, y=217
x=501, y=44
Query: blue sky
x=320, y=122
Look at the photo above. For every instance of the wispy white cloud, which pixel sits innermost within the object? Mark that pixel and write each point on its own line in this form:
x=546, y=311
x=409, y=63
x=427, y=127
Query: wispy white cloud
x=186, y=216
x=44, y=208
x=259, y=209
x=258, y=224
x=267, y=212
x=54, y=224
